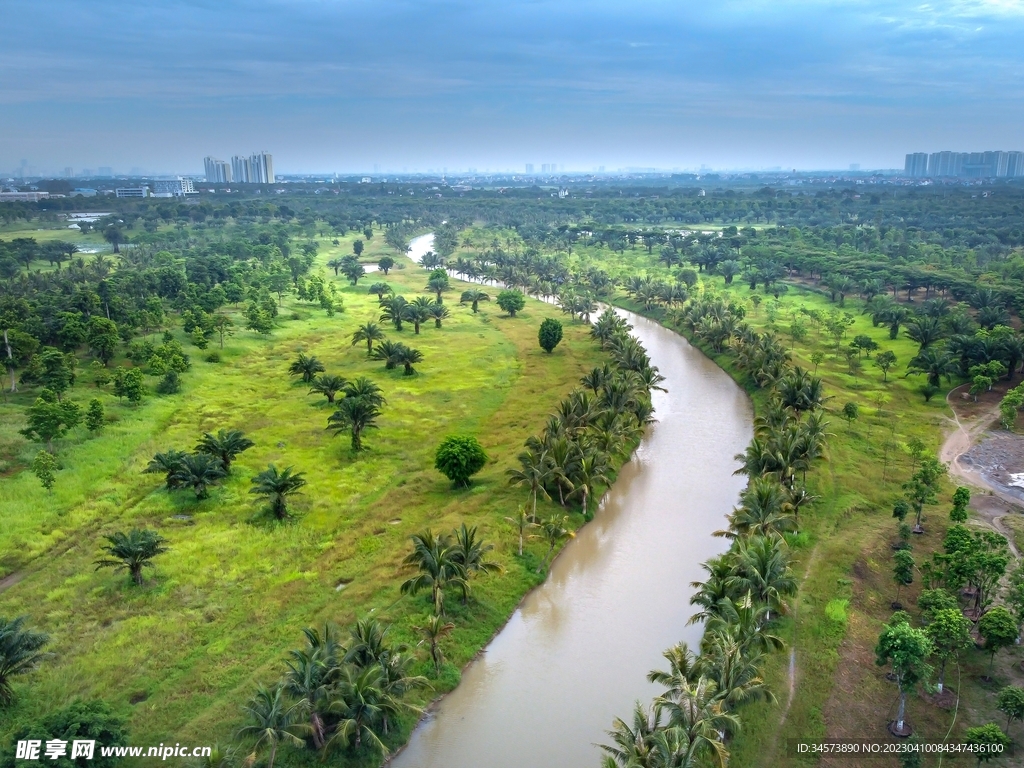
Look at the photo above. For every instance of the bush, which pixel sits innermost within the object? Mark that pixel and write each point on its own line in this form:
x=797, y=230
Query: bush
x=213, y=357
x=550, y=334
x=79, y=720
x=511, y=301
x=170, y=384
x=458, y=458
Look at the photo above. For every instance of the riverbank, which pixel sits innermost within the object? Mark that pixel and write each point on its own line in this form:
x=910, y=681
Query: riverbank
x=844, y=551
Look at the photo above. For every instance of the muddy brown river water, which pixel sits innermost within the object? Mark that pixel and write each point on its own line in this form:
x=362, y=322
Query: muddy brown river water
x=577, y=651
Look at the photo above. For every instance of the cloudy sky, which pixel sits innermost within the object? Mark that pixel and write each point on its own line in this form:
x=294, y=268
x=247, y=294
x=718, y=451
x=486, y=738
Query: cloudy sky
x=343, y=85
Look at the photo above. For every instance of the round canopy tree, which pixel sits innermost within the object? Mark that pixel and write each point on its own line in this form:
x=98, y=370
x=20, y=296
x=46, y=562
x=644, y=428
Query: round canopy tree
x=511, y=302
x=458, y=458
x=550, y=334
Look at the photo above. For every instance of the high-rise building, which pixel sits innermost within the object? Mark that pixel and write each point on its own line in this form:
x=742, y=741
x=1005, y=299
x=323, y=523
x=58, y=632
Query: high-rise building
x=255, y=169
x=529, y=167
x=916, y=165
x=1015, y=165
x=69, y=172
x=241, y=169
x=217, y=171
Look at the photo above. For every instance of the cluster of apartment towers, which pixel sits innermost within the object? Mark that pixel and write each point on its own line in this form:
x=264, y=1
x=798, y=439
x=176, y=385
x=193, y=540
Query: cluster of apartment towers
x=965, y=165
x=258, y=168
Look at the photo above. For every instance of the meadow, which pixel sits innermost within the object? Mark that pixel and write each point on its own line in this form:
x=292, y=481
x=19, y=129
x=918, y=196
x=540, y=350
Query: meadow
x=183, y=653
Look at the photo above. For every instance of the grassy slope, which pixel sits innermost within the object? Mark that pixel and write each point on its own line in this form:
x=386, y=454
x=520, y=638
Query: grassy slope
x=839, y=691
x=218, y=612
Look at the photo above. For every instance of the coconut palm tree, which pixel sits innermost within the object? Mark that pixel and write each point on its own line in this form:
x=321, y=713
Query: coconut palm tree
x=735, y=671
x=470, y=553
x=762, y=568
x=746, y=621
x=434, y=631
x=522, y=522
x=407, y=357
x=306, y=367
x=696, y=714
x=272, y=721
x=20, y=653
x=328, y=385
x=718, y=586
x=635, y=746
x=355, y=414
x=199, y=471
x=682, y=670
x=361, y=704
x=474, y=296
x=437, y=562
x=763, y=510
x=535, y=472
x=308, y=680
x=225, y=445
x=277, y=485
x=592, y=469
x=368, y=332
x=555, y=530
x=132, y=552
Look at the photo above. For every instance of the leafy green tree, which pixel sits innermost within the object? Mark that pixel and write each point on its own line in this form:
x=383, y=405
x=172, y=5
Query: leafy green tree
x=850, y=412
x=474, y=296
x=79, y=720
x=94, y=417
x=368, y=332
x=355, y=414
x=357, y=248
x=44, y=467
x=458, y=458
x=907, y=650
x=434, y=631
x=113, y=234
x=511, y=301
x=999, y=630
x=550, y=334
x=129, y=384
x=884, y=361
x=222, y=325
x=50, y=420
x=20, y=653
x=306, y=367
x=102, y=337
x=988, y=741
x=276, y=486
x=198, y=338
x=259, y=319
x=51, y=369
x=1011, y=703
x=950, y=633
x=386, y=264
x=902, y=572
x=272, y=720
x=328, y=385
x=199, y=471
x=225, y=445
x=961, y=500
x=923, y=486
x=170, y=384
x=132, y=552
x=437, y=565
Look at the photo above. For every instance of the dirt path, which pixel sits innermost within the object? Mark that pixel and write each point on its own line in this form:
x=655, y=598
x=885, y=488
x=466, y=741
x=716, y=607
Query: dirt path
x=991, y=508
x=10, y=580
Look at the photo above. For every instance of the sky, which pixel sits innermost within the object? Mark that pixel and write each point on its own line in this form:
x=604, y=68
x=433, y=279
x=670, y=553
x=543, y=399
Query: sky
x=346, y=85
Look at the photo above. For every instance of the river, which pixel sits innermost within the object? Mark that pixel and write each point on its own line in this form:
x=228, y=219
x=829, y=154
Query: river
x=576, y=653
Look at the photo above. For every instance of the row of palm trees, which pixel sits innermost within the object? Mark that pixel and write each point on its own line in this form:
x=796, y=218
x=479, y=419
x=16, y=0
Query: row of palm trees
x=690, y=723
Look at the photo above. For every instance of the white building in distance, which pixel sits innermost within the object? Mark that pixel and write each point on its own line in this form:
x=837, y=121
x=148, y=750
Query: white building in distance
x=258, y=168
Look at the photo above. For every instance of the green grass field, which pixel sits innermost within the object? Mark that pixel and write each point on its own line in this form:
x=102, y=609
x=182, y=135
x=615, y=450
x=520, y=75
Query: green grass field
x=183, y=653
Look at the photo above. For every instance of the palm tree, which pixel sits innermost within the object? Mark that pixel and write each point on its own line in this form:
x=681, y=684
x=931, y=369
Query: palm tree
x=438, y=565
x=277, y=486
x=393, y=310
x=522, y=523
x=434, y=631
x=635, y=746
x=306, y=367
x=746, y=622
x=735, y=671
x=470, y=553
x=474, y=296
x=762, y=568
x=438, y=284
x=308, y=680
x=682, y=670
x=328, y=385
x=368, y=332
x=554, y=530
x=20, y=652
x=355, y=414
x=697, y=722
x=361, y=703
x=199, y=471
x=934, y=363
x=417, y=312
x=925, y=330
x=390, y=352
x=168, y=463
x=763, y=510
x=132, y=552
x=225, y=445
x=535, y=473
x=407, y=357
x=439, y=312
x=380, y=289
x=592, y=469
x=895, y=316
x=272, y=720
x=367, y=389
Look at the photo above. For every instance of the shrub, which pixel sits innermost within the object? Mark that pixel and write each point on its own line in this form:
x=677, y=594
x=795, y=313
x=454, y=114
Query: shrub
x=170, y=384
x=213, y=357
x=458, y=458
x=511, y=302
x=79, y=720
